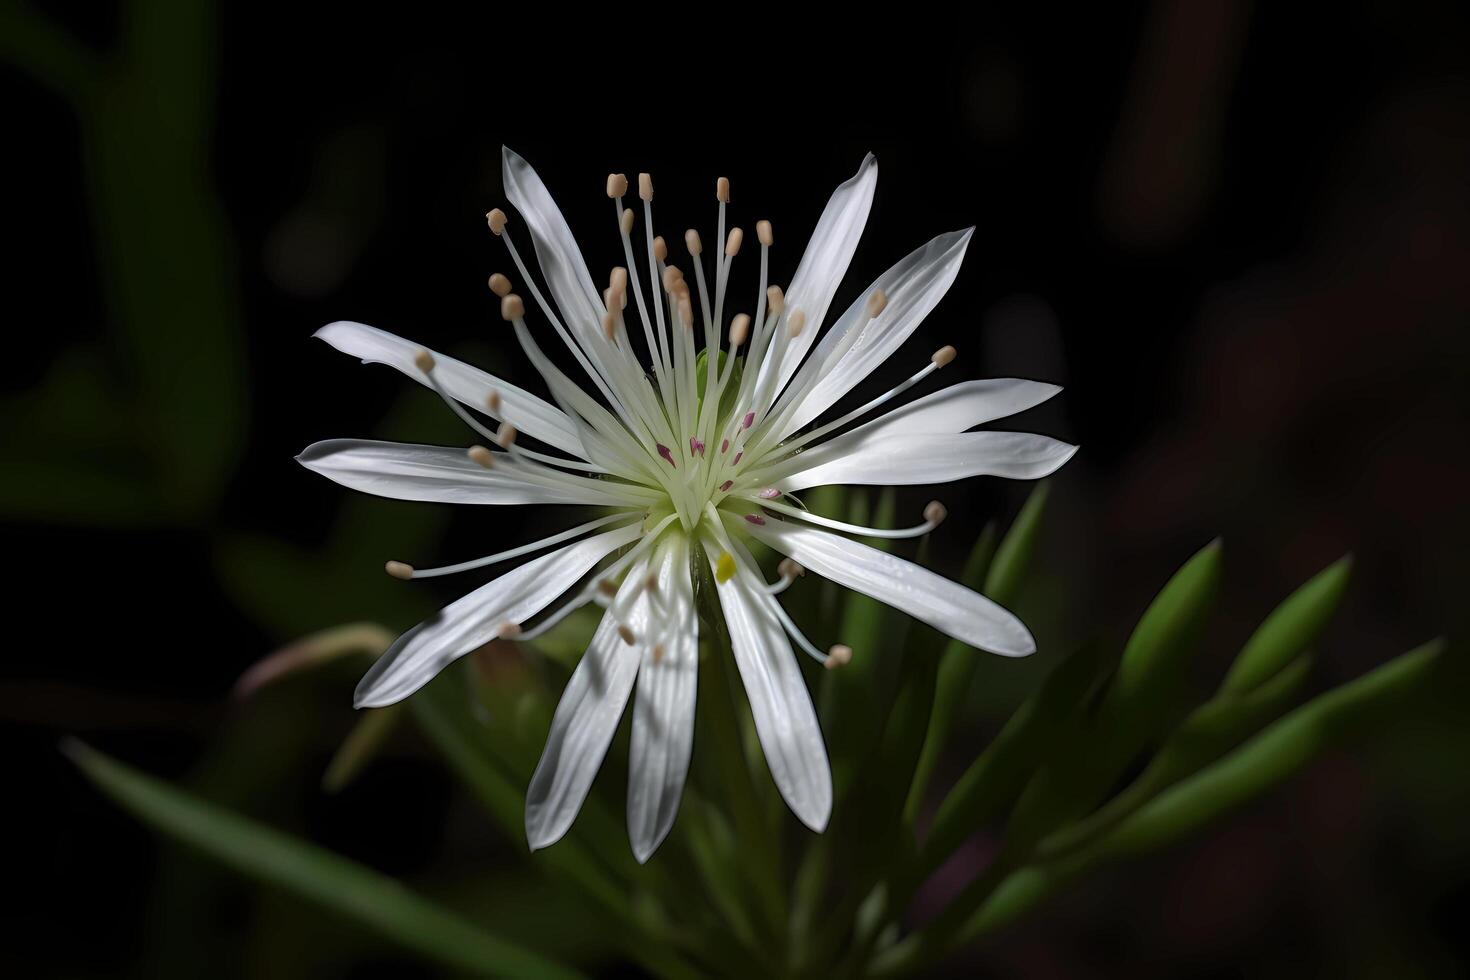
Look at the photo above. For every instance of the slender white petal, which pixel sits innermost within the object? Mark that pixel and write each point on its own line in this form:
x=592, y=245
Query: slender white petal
x=663, y=714
x=948, y=606
x=908, y=458
x=528, y=413
x=405, y=471
x=913, y=286
x=779, y=702
x=556, y=250
x=587, y=716
x=958, y=407
x=418, y=655
x=825, y=262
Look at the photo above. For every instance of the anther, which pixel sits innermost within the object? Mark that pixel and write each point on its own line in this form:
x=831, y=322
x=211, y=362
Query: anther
x=658, y=653
x=943, y=356
x=398, y=569
x=733, y=242
x=795, y=322
x=482, y=456
x=876, y=303
x=763, y=232
x=755, y=519
x=692, y=242
x=627, y=634
x=935, y=513
x=672, y=275
x=511, y=307
x=650, y=583
x=609, y=325
x=607, y=587
x=790, y=569
x=775, y=299
x=508, y=630
x=739, y=330
x=499, y=285
x=424, y=361
x=617, y=185
x=626, y=221
x=492, y=401
x=645, y=187
x=660, y=248
x=769, y=493
x=722, y=190
x=495, y=218
x=725, y=487
x=668, y=455
x=748, y=421
x=839, y=655
x=618, y=280
x=506, y=436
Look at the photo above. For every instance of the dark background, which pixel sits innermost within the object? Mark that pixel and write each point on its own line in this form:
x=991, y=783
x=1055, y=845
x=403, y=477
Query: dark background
x=1239, y=235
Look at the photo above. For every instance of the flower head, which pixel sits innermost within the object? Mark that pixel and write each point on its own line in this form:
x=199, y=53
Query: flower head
x=693, y=427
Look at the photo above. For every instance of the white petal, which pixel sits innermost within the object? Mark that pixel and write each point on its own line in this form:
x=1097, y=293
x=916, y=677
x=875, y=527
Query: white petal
x=959, y=407
x=948, y=606
x=906, y=459
x=528, y=413
x=470, y=622
x=405, y=471
x=585, y=719
x=779, y=702
x=561, y=260
x=825, y=261
x=663, y=714
x=913, y=286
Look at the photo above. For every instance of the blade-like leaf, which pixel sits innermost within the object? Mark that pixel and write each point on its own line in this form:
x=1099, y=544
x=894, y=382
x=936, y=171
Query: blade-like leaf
x=361, y=894
x=1294, y=626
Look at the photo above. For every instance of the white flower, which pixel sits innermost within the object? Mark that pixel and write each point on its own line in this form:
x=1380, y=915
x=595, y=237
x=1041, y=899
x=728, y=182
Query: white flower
x=692, y=459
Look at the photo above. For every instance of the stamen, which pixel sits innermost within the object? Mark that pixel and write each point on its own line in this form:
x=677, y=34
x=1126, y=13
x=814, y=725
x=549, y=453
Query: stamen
x=626, y=222
x=739, y=331
x=492, y=401
x=733, y=242
x=507, y=435
x=696, y=448
x=499, y=284
x=724, y=567
x=725, y=446
x=725, y=487
x=512, y=307
x=838, y=656
x=775, y=300
x=607, y=587
x=645, y=187
x=496, y=219
x=658, y=653
x=482, y=456
x=722, y=190
x=769, y=493
x=516, y=552
x=748, y=421
x=399, y=570
x=935, y=513
x=789, y=571
x=755, y=519
x=508, y=630
x=943, y=356
x=627, y=634
x=617, y=185
x=660, y=248
x=795, y=322
x=667, y=455
x=763, y=233
x=692, y=242
x=424, y=361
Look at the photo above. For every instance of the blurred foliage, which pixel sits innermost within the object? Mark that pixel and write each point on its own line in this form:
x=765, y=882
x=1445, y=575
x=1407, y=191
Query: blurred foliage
x=1102, y=763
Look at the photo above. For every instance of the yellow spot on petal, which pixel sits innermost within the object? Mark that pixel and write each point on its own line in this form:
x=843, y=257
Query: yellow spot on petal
x=725, y=567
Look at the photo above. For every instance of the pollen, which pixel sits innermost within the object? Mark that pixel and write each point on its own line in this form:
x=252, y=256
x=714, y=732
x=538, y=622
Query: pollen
x=725, y=567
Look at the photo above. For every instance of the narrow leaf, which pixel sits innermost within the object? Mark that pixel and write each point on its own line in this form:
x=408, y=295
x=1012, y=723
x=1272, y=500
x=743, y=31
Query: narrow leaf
x=1294, y=626
x=361, y=894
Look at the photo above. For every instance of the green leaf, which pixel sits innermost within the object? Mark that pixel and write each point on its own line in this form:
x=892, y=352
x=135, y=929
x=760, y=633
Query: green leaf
x=1032, y=734
x=956, y=669
x=1013, y=557
x=1257, y=767
x=1295, y=625
x=361, y=894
